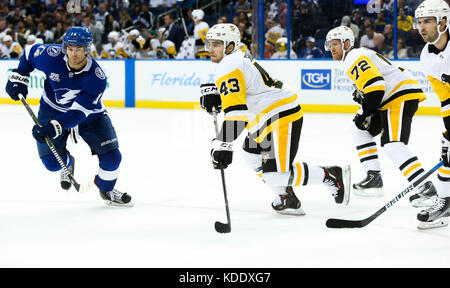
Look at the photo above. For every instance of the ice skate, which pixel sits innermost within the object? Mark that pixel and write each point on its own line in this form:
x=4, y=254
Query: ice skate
x=64, y=176
x=288, y=204
x=371, y=186
x=426, y=196
x=337, y=180
x=436, y=215
x=115, y=197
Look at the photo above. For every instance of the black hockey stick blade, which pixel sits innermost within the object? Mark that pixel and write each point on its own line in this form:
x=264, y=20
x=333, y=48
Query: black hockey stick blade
x=341, y=223
x=222, y=228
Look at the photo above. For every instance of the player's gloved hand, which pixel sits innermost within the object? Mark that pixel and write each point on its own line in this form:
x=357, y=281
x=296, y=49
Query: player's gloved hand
x=52, y=129
x=210, y=98
x=445, y=147
x=17, y=84
x=221, y=154
x=357, y=95
x=362, y=121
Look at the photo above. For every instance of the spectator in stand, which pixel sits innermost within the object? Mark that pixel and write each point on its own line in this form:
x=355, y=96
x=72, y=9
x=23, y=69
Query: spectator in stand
x=125, y=21
x=404, y=22
x=367, y=39
x=145, y=18
x=45, y=34
x=380, y=22
x=388, y=34
x=311, y=51
x=102, y=13
x=110, y=25
x=357, y=18
x=59, y=32
x=347, y=21
x=176, y=34
x=242, y=6
x=380, y=47
x=245, y=37
x=415, y=43
x=89, y=22
x=222, y=20
x=402, y=51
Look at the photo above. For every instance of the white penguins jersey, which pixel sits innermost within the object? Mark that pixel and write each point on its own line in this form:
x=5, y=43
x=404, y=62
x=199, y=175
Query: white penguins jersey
x=200, y=31
x=436, y=67
x=372, y=72
x=249, y=94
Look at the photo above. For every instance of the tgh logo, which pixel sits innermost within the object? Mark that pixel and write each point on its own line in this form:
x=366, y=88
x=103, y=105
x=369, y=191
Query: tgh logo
x=73, y=6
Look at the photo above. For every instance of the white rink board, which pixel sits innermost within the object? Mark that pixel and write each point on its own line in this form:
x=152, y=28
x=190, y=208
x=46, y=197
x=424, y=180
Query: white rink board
x=114, y=71
x=179, y=80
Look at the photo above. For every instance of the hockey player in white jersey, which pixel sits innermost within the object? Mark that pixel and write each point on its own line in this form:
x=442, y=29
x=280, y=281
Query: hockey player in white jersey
x=432, y=19
x=200, y=30
x=270, y=110
x=389, y=98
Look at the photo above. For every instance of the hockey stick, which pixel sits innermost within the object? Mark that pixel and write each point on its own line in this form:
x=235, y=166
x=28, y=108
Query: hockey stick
x=341, y=223
x=222, y=227
x=80, y=188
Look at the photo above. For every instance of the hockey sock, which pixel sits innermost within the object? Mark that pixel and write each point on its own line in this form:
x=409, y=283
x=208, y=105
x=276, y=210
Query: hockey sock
x=304, y=174
x=366, y=149
x=443, y=183
x=405, y=160
x=108, y=170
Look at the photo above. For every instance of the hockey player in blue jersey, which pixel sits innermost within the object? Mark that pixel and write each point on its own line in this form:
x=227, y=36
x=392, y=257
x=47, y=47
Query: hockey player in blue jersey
x=72, y=94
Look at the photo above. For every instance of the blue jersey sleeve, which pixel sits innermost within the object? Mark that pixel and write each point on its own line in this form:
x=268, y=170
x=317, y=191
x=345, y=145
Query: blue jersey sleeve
x=38, y=57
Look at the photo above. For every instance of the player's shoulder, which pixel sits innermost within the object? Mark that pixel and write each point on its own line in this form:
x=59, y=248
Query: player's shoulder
x=95, y=79
x=46, y=51
x=230, y=63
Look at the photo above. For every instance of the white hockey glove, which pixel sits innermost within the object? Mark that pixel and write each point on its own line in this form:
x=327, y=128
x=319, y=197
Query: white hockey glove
x=221, y=154
x=210, y=98
x=445, y=147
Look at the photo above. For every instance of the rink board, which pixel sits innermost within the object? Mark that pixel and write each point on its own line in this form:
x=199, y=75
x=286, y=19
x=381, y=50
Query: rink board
x=323, y=85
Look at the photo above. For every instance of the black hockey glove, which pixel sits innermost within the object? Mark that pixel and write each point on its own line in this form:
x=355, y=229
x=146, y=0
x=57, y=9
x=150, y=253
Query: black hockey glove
x=362, y=121
x=17, y=84
x=445, y=78
x=210, y=98
x=221, y=154
x=445, y=155
x=357, y=95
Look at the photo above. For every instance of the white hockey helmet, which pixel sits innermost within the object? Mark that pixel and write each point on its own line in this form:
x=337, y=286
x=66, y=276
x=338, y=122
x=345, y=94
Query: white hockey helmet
x=113, y=35
x=342, y=33
x=134, y=32
x=198, y=14
x=7, y=38
x=31, y=38
x=225, y=32
x=433, y=8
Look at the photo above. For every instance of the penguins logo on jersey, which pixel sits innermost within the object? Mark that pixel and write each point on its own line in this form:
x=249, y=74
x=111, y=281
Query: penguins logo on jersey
x=53, y=51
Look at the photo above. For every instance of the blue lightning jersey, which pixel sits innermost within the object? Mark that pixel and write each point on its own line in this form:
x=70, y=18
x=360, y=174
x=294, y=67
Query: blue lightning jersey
x=65, y=89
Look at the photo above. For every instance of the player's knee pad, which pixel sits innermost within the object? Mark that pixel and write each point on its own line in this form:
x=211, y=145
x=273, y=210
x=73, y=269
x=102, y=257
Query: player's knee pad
x=276, y=178
x=110, y=161
x=52, y=164
x=253, y=160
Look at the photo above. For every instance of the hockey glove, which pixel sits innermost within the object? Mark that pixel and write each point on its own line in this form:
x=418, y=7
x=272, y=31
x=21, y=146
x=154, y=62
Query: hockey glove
x=357, y=95
x=445, y=147
x=362, y=121
x=210, y=98
x=52, y=130
x=17, y=84
x=221, y=154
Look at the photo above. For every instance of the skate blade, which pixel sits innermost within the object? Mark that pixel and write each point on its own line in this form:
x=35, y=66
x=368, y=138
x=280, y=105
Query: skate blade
x=369, y=193
x=346, y=176
x=422, y=203
x=292, y=212
x=114, y=204
x=442, y=222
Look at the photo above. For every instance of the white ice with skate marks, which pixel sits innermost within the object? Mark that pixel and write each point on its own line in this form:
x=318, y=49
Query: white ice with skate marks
x=178, y=196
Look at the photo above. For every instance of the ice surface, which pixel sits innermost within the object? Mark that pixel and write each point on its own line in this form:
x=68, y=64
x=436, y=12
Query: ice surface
x=178, y=196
